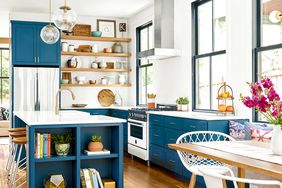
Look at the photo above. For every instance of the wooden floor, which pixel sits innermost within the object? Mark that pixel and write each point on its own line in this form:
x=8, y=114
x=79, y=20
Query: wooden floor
x=136, y=174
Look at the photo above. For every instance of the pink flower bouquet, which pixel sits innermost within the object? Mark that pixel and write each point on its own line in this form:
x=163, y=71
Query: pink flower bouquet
x=265, y=100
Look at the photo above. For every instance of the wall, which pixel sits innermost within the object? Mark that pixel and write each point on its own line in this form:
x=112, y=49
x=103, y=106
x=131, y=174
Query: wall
x=172, y=77
x=85, y=95
x=4, y=24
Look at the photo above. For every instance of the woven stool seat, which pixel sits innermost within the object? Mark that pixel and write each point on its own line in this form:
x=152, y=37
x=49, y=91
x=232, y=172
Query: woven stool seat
x=18, y=134
x=11, y=130
x=20, y=140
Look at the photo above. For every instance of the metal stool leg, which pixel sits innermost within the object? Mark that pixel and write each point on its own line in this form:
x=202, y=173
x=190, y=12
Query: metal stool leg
x=14, y=174
x=9, y=161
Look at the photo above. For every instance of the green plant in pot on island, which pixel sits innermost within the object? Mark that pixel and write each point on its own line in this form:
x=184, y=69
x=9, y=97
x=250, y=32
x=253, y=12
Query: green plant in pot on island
x=62, y=143
x=182, y=103
x=95, y=144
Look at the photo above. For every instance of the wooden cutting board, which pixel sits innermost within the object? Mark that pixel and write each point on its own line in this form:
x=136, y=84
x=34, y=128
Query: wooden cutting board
x=106, y=97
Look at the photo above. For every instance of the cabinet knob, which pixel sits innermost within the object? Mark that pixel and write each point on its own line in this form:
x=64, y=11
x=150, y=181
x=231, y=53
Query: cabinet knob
x=35, y=59
x=38, y=59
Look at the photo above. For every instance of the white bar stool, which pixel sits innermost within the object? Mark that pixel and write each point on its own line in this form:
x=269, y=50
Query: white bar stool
x=18, y=142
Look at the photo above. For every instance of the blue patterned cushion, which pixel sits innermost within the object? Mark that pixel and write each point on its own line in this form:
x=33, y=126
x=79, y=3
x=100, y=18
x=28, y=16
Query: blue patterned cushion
x=239, y=131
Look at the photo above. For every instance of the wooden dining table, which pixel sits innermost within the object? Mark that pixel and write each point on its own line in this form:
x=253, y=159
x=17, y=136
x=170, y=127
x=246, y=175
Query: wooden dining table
x=243, y=163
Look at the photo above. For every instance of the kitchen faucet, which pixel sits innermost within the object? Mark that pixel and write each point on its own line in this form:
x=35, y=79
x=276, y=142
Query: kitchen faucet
x=57, y=98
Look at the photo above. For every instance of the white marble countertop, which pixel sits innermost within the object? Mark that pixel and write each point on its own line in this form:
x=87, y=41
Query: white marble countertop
x=65, y=117
x=99, y=107
x=196, y=115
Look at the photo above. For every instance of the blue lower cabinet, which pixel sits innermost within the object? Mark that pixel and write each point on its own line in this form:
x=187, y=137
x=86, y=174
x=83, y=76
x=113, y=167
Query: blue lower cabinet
x=173, y=122
x=156, y=120
x=172, y=161
x=157, y=155
x=157, y=136
x=171, y=136
x=195, y=125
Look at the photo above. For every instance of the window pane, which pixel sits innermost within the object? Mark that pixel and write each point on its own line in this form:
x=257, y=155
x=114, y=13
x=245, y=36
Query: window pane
x=205, y=28
x=270, y=64
x=218, y=76
x=151, y=37
x=219, y=25
x=203, y=83
x=5, y=63
x=144, y=39
x=146, y=83
x=271, y=32
x=5, y=93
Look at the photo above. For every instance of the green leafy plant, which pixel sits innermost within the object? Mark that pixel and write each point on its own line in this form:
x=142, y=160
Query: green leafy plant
x=96, y=138
x=65, y=138
x=182, y=100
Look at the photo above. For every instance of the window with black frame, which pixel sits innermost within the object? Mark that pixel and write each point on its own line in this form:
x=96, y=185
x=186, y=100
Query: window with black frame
x=208, y=52
x=4, y=77
x=144, y=67
x=268, y=44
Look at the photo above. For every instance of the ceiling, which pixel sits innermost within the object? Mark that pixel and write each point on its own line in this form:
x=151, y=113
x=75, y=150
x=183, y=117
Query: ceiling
x=101, y=8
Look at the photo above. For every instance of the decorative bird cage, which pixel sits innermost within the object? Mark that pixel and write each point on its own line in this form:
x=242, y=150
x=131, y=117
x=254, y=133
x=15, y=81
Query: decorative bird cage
x=225, y=100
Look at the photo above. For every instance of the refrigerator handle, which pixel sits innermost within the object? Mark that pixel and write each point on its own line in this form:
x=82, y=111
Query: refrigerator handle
x=37, y=99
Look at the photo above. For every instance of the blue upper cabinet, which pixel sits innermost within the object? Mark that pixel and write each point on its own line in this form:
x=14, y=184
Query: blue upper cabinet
x=28, y=49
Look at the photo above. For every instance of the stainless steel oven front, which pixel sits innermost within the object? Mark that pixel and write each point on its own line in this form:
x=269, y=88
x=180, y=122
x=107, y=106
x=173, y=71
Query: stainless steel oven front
x=137, y=133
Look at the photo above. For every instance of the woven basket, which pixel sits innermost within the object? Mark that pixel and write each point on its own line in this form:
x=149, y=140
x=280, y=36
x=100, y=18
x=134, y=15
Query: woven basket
x=82, y=30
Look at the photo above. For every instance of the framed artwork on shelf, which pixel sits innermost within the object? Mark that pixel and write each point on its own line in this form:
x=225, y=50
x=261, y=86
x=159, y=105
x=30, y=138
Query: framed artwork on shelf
x=107, y=27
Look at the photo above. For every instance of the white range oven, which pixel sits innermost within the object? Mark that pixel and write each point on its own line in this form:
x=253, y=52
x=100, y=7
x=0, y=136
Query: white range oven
x=138, y=130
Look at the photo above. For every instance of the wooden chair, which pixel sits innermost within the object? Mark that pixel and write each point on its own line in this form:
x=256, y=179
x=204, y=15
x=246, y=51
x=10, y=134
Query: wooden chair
x=193, y=162
x=214, y=179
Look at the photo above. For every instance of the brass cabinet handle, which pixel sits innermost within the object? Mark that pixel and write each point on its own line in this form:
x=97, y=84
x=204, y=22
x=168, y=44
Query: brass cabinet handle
x=172, y=161
x=156, y=135
x=172, y=123
x=193, y=126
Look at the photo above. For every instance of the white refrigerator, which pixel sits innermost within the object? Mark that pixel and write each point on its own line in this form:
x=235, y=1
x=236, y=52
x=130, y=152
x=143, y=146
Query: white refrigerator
x=34, y=88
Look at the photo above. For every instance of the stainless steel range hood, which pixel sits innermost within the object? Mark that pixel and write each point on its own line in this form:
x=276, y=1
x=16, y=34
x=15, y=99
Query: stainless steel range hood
x=163, y=32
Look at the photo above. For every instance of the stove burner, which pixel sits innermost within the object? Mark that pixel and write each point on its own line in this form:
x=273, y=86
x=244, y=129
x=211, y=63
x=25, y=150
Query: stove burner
x=141, y=113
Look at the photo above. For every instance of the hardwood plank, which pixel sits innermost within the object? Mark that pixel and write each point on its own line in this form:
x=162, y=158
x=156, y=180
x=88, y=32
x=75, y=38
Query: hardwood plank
x=97, y=54
x=90, y=38
x=258, y=166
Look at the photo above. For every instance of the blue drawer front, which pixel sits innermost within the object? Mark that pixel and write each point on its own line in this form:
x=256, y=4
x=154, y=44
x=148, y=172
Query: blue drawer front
x=173, y=162
x=100, y=112
x=156, y=120
x=119, y=113
x=174, y=123
x=171, y=135
x=157, y=135
x=195, y=125
x=157, y=155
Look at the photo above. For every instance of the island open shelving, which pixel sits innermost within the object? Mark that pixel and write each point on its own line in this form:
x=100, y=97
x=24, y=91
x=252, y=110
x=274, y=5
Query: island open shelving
x=110, y=166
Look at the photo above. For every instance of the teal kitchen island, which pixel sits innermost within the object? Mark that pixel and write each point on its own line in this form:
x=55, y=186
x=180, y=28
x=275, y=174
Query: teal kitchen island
x=82, y=126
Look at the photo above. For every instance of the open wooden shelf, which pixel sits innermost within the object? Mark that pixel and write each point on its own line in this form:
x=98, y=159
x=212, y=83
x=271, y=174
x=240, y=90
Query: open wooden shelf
x=90, y=38
x=95, y=85
x=97, y=54
x=95, y=70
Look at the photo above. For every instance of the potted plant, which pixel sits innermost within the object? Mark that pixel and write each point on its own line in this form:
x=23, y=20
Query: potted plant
x=182, y=103
x=62, y=143
x=95, y=144
x=266, y=100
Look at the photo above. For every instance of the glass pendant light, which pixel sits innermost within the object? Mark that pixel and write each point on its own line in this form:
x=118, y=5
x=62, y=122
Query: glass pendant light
x=50, y=34
x=65, y=18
